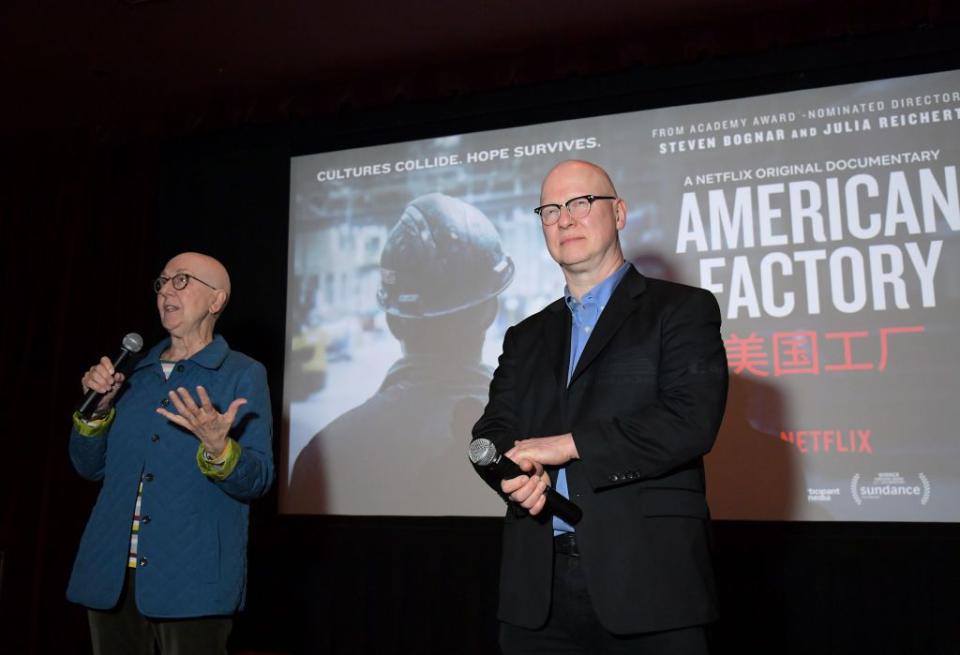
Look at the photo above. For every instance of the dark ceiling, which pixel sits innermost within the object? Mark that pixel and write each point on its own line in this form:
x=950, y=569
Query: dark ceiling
x=181, y=65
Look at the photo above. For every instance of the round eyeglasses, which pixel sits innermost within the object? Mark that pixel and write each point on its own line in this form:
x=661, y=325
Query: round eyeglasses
x=577, y=207
x=179, y=282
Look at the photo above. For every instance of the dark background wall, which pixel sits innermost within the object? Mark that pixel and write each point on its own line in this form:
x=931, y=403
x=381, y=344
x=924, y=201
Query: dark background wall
x=133, y=130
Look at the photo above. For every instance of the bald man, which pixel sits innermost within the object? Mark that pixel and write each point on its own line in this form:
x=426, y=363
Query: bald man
x=612, y=395
x=181, y=446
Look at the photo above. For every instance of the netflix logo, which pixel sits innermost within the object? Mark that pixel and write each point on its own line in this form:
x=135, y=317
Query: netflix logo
x=829, y=441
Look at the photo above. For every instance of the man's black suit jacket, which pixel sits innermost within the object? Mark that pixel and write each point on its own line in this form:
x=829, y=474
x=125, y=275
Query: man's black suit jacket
x=644, y=405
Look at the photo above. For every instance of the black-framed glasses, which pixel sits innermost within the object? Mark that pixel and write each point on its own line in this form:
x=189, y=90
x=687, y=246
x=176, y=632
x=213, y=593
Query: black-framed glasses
x=179, y=282
x=577, y=207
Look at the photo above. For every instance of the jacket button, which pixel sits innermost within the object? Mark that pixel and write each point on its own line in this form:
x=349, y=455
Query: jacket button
x=165, y=402
x=143, y=561
x=155, y=438
x=145, y=519
x=148, y=477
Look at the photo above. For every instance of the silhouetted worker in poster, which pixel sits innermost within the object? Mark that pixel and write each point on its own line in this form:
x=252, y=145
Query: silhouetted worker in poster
x=402, y=451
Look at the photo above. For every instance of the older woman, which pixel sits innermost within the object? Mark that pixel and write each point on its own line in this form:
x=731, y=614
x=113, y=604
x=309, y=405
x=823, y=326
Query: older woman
x=182, y=446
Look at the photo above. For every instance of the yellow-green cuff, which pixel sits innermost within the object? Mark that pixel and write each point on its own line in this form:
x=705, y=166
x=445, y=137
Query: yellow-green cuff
x=93, y=427
x=223, y=466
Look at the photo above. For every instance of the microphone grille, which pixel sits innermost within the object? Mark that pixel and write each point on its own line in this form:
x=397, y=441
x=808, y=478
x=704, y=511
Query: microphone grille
x=482, y=452
x=133, y=342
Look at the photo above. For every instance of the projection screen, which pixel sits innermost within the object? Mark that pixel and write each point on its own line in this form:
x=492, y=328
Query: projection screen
x=825, y=222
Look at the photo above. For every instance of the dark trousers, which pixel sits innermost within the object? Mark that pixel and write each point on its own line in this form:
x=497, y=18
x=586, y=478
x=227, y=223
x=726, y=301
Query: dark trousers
x=124, y=631
x=573, y=626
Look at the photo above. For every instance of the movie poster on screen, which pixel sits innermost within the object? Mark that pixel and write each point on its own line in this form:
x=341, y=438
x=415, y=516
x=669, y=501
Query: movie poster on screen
x=825, y=222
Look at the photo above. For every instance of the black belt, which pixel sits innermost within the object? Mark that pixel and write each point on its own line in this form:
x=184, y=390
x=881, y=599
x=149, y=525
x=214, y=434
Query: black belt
x=565, y=543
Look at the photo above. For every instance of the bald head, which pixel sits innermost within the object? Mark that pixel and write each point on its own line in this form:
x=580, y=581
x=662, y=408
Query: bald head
x=584, y=172
x=205, y=268
x=586, y=247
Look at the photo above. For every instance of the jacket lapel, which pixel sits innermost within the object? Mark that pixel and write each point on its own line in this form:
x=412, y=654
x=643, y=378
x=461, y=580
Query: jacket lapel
x=623, y=303
x=557, y=339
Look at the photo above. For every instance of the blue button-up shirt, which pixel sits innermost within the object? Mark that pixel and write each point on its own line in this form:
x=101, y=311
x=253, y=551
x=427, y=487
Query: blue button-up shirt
x=586, y=312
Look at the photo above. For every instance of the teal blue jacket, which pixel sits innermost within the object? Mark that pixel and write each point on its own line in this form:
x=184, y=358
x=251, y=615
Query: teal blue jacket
x=193, y=530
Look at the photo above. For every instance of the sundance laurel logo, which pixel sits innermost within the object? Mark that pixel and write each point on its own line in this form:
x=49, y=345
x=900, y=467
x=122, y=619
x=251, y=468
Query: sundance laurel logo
x=887, y=485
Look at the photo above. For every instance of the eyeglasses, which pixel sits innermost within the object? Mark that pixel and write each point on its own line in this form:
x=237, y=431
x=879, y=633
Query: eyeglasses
x=577, y=207
x=179, y=282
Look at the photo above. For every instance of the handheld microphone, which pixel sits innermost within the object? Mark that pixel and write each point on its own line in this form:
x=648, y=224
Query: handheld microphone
x=132, y=343
x=483, y=453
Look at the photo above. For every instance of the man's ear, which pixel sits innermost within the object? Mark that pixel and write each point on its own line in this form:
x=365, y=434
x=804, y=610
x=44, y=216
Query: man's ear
x=219, y=303
x=620, y=209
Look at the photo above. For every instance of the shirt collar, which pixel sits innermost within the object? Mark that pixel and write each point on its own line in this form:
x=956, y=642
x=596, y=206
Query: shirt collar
x=210, y=357
x=599, y=294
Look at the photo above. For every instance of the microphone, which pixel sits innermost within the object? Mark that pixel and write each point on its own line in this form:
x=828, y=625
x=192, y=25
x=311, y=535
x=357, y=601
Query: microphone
x=132, y=343
x=483, y=453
